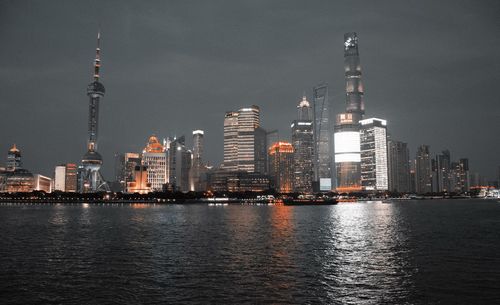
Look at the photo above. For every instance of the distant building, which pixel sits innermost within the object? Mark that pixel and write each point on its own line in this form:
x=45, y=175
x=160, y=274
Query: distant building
x=70, y=184
x=399, y=166
x=197, y=176
x=460, y=178
x=322, y=161
x=281, y=166
x=348, y=153
x=42, y=183
x=125, y=164
x=154, y=158
x=139, y=183
x=13, y=159
x=60, y=178
x=14, y=178
x=444, y=171
x=423, y=175
x=244, y=141
x=179, y=164
x=221, y=180
x=374, y=165
x=303, y=145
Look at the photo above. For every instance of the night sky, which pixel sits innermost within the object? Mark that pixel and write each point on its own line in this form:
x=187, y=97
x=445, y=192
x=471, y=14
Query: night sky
x=431, y=68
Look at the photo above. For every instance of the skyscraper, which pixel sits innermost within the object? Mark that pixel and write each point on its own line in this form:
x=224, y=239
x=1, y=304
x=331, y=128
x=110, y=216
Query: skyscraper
x=60, y=178
x=423, y=174
x=347, y=128
x=70, y=183
x=281, y=166
x=179, y=163
x=13, y=159
x=125, y=164
x=303, y=146
x=92, y=179
x=322, y=138
x=197, y=175
x=231, y=141
x=154, y=158
x=399, y=166
x=444, y=171
x=374, y=167
x=244, y=141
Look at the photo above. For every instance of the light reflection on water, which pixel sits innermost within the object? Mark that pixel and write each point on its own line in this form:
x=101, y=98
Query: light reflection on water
x=353, y=253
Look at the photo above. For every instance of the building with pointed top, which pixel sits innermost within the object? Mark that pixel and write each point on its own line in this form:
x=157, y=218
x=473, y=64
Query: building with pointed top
x=92, y=180
x=303, y=145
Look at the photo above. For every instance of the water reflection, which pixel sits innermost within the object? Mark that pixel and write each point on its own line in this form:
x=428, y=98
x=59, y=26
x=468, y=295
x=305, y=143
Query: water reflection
x=367, y=254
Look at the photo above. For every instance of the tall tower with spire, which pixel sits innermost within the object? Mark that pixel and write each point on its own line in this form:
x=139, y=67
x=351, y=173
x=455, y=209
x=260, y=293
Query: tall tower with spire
x=92, y=180
x=347, y=127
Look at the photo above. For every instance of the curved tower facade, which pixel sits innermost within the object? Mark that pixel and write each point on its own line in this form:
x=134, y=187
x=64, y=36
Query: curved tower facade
x=92, y=180
x=347, y=127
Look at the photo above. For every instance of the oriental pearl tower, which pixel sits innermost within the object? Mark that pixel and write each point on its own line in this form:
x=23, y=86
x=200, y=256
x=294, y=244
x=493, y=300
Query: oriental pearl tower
x=92, y=180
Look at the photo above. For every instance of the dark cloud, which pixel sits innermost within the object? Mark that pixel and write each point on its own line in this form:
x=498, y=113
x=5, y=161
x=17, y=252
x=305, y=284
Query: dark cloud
x=429, y=67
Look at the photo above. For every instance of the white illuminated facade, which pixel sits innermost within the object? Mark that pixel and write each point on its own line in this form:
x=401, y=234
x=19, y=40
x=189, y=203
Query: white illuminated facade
x=374, y=165
x=244, y=141
x=60, y=178
x=154, y=158
x=347, y=146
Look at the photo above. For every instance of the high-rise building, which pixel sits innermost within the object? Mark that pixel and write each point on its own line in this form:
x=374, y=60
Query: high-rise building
x=60, y=178
x=92, y=180
x=322, y=161
x=399, y=166
x=374, y=165
x=70, y=185
x=15, y=178
x=231, y=141
x=13, y=159
x=444, y=171
x=125, y=164
x=423, y=174
x=347, y=153
x=244, y=141
x=154, y=158
x=347, y=128
x=179, y=163
x=281, y=166
x=197, y=176
x=303, y=146
x=459, y=176
x=139, y=183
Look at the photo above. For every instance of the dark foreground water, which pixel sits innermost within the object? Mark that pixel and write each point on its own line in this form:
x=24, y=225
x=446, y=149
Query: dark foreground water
x=415, y=252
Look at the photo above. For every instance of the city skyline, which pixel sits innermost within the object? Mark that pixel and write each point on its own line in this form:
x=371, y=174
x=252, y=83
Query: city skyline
x=138, y=106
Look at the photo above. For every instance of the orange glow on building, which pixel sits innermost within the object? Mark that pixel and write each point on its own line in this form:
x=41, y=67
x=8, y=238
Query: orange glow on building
x=281, y=166
x=154, y=145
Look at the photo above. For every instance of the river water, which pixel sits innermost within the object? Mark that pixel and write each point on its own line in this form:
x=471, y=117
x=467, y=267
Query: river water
x=412, y=252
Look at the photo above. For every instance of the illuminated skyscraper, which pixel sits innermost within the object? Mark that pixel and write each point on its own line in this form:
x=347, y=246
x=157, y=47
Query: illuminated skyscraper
x=281, y=166
x=347, y=153
x=374, y=167
x=303, y=145
x=13, y=159
x=423, y=173
x=197, y=176
x=244, y=141
x=347, y=137
x=70, y=183
x=322, y=138
x=92, y=179
x=154, y=158
x=60, y=178
x=399, y=166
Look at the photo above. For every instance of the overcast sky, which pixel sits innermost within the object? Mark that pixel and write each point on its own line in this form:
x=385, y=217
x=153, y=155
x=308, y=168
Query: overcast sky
x=431, y=68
